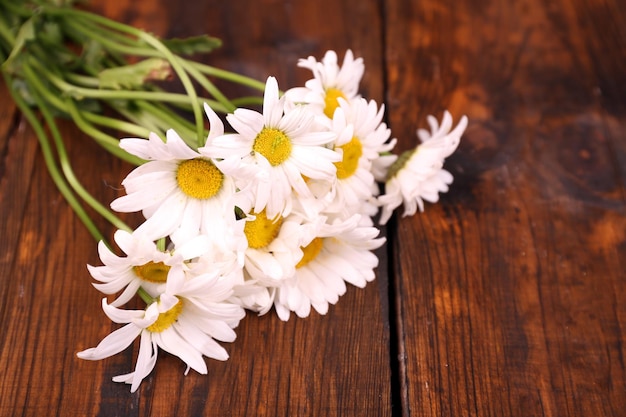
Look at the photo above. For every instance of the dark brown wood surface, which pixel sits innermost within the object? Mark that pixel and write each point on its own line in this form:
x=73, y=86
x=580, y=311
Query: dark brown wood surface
x=507, y=298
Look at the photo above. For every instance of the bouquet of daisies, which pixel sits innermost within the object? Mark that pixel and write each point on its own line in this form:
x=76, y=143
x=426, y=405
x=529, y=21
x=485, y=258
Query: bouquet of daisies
x=272, y=212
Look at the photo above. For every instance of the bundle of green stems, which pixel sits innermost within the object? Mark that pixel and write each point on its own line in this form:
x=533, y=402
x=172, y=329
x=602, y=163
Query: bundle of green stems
x=111, y=79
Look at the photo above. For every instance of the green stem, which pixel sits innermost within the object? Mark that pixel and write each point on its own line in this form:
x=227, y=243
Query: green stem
x=108, y=142
x=194, y=69
x=65, y=163
x=15, y=10
x=143, y=294
x=80, y=93
x=208, y=86
x=229, y=76
x=143, y=119
x=68, y=106
x=247, y=101
x=168, y=120
x=7, y=39
x=184, y=78
x=48, y=155
x=83, y=80
x=110, y=40
x=166, y=53
x=5, y=32
x=71, y=177
x=116, y=124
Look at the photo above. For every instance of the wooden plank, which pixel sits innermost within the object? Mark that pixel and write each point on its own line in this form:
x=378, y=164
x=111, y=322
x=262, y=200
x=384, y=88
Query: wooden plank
x=336, y=364
x=510, y=291
x=48, y=304
x=16, y=164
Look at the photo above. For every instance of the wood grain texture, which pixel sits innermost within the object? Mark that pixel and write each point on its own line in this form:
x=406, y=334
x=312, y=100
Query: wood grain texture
x=507, y=296
x=515, y=302
x=337, y=364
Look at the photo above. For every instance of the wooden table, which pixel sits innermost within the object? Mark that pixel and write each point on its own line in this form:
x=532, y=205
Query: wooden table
x=508, y=298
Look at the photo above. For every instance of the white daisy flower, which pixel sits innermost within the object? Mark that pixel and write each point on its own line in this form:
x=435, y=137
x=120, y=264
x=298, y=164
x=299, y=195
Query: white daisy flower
x=143, y=266
x=417, y=175
x=279, y=148
x=228, y=264
x=329, y=83
x=185, y=321
x=178, y=187
x=322, y=192
x=336, y=253
x=381, y=165
x=274, y=249
x=361, y=137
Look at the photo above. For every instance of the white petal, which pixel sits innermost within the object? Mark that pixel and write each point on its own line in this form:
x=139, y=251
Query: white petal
x=194, y=247
x=118, y=315
x=171, y=342
x=272, y=110
x=215, y=124
x=128, y=293
x=217, y=329
x=165, y=220
x=112, y=344
x=148, y=351
x=247, y=123
x=146, y=360
x=205, y=344
x=178, y=147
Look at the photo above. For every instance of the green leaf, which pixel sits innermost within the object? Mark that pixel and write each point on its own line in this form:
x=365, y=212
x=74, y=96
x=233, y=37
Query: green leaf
x=193, y=45
x=93, y=54
x=25, y=34
x=135, y=75
x=50, y=33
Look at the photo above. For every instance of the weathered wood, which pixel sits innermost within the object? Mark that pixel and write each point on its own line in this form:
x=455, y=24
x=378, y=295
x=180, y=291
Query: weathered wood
x=508, y=295
x=510, y=292
x=338, y=364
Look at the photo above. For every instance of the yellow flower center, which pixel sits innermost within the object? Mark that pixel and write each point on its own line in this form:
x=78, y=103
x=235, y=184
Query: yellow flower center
x=352, y=152
x=152, y=272
x=199, y=178
x=273, y=144
x=167, y=318
x=310, y=251
x=330, y=101
x=262, y=231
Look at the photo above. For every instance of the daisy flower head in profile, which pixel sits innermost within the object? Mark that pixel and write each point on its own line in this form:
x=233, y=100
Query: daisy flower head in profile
x=417, y=175
x=361, y=137
x=178, y=187
x=330, y=81
x=274, y=249
x=144, y=265
x=185, y=321
x=333, y=253
x=278, y=148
